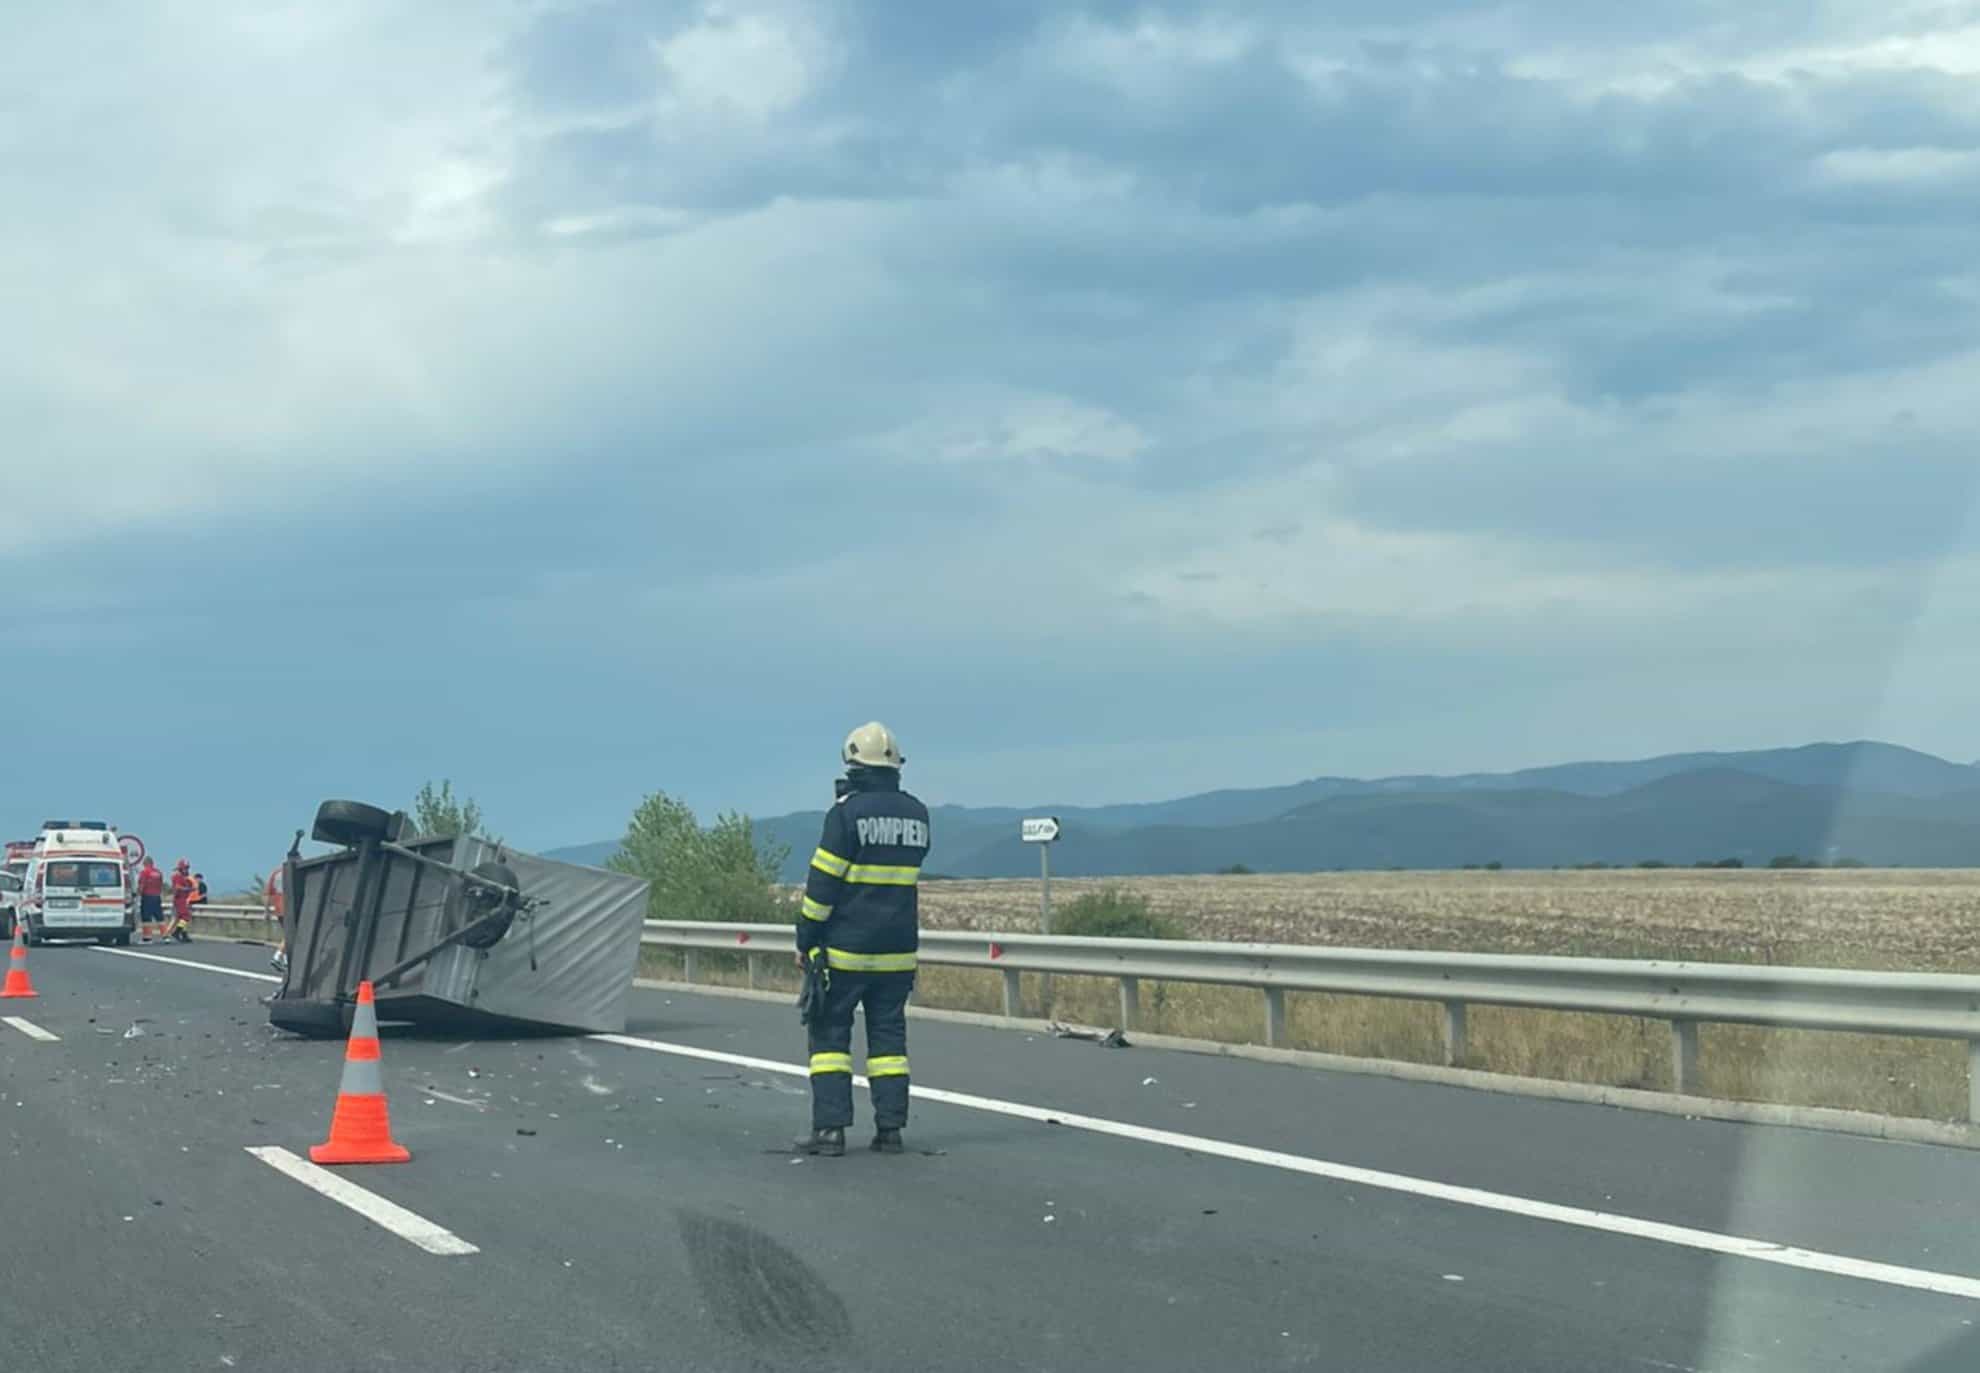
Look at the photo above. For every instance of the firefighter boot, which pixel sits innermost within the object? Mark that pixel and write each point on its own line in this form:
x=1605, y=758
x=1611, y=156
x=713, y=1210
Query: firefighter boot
x=825, y=1143
x=887, y=1142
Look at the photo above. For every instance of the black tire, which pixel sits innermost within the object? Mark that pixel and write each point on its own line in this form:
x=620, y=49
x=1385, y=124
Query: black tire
x=350, y=823
x=310, y=1019
x=122, y=939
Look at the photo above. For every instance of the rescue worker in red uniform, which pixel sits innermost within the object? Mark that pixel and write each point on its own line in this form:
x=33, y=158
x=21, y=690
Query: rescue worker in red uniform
x=151, y=900
x=860, y=918
x=182, y=893
x=182, y=927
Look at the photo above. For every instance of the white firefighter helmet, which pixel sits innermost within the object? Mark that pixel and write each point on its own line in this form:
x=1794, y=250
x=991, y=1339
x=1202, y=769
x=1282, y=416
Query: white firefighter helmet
x=872, y=745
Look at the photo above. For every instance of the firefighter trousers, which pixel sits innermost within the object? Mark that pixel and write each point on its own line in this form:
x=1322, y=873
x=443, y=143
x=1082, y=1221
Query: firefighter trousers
x=884, y=997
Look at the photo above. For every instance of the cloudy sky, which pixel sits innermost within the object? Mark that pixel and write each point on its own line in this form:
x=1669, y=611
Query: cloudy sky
x=582, y=399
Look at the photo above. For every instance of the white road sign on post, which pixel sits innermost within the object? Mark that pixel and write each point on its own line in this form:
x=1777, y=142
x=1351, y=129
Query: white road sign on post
x=1040, y=830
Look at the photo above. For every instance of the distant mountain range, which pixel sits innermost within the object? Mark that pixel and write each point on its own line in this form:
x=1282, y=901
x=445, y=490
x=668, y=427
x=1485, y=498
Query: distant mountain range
x=1878, y=803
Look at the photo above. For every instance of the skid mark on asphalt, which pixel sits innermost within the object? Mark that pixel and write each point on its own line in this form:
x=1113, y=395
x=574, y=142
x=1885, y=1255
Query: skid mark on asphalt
x=757, y=1288
x=187, y=963
x=389, y=1215
x=1678, y=1236
x=30, y=1029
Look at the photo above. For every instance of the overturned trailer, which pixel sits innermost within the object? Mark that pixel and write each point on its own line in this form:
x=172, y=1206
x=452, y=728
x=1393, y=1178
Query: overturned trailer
x=455, y=932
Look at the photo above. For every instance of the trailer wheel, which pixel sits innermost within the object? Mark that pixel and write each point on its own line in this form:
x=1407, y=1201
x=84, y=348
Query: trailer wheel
x=493, y=912
x=350, y=823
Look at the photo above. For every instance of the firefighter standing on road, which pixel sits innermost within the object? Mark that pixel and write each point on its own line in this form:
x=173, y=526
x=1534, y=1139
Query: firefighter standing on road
x=860, y=916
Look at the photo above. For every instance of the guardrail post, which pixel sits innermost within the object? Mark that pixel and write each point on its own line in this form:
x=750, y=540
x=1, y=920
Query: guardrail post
x=1684, y=1056
x=1130, y=1003
x=688, y=962
x=1275, y=1016
x=1011, y=999
x=749, y=961
x=1973, y=1080
x=1454, y=1033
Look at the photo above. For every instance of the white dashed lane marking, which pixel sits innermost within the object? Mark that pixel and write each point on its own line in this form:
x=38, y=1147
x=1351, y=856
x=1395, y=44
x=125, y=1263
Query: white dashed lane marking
x=388, y=1215
x=30, y=1029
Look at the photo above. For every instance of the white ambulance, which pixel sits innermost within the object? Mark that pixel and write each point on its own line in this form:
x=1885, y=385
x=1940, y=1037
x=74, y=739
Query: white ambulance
x=77, y=884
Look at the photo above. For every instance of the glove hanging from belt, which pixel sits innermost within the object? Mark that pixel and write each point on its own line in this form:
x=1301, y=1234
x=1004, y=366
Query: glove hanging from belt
x=817, y=980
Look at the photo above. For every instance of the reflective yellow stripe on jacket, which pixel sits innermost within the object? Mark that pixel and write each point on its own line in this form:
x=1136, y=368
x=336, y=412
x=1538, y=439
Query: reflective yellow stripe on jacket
x=830, y=863
x=816, y=910
x=846, y=961
x=880, y=875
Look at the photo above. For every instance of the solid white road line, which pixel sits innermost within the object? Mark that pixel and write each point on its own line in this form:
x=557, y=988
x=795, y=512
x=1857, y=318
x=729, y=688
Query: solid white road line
x=30, y=1029
x=1684, y=1237
x=188, y=963
x=374, y=1208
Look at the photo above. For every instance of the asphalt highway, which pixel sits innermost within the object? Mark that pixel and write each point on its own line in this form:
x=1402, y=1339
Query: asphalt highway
x=633, y=1204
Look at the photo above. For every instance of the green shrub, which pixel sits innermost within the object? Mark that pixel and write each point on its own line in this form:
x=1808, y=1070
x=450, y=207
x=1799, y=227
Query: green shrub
x=1234, y=870
x=717, y=873
x=1112, y=913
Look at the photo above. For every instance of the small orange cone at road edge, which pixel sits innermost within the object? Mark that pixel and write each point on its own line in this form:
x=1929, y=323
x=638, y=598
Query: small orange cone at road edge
x=17, y=983
x=361, y=1129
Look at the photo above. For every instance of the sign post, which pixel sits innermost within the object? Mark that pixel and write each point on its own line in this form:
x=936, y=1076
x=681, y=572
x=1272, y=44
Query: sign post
x=1043, y=830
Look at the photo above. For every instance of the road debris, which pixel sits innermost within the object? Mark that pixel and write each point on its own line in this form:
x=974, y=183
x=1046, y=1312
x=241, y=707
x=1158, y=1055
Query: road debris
x=1106, y=1039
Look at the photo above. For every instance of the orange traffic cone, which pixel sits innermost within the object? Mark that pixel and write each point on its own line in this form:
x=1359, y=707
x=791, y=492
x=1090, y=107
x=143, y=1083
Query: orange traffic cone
x=17, y=983
x=361, y=1129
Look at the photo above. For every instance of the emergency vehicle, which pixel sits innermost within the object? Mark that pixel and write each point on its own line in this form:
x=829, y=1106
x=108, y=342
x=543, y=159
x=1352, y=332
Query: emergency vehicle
x=77, y=885
x=13, y=881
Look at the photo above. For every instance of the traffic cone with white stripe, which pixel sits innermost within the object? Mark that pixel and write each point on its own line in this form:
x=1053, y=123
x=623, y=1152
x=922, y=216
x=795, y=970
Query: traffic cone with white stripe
x=17, y=983
x=361, y=1128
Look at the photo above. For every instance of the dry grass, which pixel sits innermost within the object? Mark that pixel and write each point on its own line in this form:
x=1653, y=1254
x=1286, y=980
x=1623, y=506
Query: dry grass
x=1860, y=918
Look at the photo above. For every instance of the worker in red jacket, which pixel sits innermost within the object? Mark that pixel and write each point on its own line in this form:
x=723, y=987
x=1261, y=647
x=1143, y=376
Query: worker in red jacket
x=182, y=925
x=151, y=900
x=182, y=893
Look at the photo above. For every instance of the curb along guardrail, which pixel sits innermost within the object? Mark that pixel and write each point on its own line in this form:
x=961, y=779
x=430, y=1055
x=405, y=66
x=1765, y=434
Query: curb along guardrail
x=1687, y=995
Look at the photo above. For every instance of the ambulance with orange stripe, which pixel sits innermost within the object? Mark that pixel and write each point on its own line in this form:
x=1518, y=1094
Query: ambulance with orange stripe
x=77, y=884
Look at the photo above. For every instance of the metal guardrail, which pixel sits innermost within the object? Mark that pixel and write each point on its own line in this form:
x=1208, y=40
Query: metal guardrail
x=263, y=914
x=1931, y=1005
